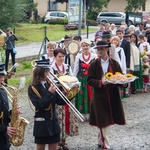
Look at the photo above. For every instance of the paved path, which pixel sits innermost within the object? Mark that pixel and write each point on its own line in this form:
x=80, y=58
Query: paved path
x=25, y=50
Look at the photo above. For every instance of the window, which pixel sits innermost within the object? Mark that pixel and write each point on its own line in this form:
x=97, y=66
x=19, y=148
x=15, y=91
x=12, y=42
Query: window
x=61, y=15
x=104, y=14
x=53, y=14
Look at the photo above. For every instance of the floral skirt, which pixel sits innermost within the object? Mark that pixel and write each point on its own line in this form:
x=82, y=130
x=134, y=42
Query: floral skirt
x=145, y=79
x=84, y=96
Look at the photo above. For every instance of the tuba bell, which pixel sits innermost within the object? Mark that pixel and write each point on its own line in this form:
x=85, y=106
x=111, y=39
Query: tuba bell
x=16, y=121
x=70, y=91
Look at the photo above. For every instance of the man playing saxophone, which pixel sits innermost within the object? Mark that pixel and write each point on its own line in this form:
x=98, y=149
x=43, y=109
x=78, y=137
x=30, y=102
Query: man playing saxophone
x=5, y=114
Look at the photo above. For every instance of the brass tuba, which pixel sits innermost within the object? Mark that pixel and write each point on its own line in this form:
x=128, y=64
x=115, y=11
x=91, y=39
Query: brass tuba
x=16, y=121
x=70, y=91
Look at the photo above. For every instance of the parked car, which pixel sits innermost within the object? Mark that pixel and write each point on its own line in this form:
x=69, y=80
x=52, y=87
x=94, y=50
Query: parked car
x=55, y=15
x=117, y=18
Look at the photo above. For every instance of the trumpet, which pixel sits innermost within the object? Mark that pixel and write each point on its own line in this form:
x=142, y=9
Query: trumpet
x=61, y=94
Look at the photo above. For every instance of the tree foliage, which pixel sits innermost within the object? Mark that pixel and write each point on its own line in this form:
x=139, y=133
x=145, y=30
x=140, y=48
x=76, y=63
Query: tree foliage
x=94, y=7
x=134, y=5
x=12, y=11
x=98, y=5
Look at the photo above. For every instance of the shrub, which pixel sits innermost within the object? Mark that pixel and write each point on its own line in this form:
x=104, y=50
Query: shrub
x=91, y=15
x=58, y=21
x=91, y=22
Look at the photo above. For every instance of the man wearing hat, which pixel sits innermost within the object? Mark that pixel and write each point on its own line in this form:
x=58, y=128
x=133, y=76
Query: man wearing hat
x=112, y=52
x=106, y=106
x=5, y=114
x=66, y=41
x=43, y=96
x=127, y=36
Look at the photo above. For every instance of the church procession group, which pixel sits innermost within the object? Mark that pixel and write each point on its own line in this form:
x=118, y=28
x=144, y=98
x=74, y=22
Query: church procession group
x=79, y=64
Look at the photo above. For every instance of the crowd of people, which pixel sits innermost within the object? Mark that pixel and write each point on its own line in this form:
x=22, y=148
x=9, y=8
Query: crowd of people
x=117, y=49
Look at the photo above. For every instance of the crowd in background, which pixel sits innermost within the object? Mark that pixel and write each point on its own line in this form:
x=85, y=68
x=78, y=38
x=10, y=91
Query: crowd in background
x=128, y=46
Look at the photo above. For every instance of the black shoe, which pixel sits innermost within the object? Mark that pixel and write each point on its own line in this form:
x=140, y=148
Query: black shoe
x=99, y=146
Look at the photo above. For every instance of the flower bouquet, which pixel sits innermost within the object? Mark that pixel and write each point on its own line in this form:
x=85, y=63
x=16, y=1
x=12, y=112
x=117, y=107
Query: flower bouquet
x=145, y=66
x=119, y=78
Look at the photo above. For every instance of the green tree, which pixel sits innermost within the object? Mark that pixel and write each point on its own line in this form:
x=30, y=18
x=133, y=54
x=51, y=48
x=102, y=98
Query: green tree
x=98, y=5
x=134, y=5
x=94, y=7
x=13, y=11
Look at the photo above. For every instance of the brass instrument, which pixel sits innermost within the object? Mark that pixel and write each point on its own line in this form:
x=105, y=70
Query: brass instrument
x=16, y=121
x=11, y=71
x=79, y=115
x=70, y=92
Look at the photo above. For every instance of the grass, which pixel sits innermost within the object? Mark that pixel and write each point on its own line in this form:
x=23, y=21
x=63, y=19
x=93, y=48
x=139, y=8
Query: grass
x=28, y=33
x=23, y=70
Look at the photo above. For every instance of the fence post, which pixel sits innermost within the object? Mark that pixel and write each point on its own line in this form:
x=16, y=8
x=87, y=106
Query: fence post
x=87, y=31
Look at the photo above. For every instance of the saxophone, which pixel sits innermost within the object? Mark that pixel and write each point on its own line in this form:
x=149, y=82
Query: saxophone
x=16, y=121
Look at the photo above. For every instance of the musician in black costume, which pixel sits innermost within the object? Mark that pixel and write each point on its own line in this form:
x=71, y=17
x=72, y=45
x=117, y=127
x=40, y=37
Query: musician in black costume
x=44, y=98
x=5, y=130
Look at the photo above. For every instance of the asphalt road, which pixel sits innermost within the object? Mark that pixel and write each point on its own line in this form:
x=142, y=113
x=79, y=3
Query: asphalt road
x=25, y=50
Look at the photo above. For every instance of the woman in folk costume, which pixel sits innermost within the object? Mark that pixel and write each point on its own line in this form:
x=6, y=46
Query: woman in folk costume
x=121, y=60
x=67, y=118
x=82, y=63
x=106, y=107
x=135, y=64
x=49, y=55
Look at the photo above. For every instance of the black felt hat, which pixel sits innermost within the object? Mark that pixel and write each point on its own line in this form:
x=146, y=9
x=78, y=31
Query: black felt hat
x=2, y=69
x=43, y=63
x=126, y=34
x=65, y=38
x=106, y=34
x=101, y=44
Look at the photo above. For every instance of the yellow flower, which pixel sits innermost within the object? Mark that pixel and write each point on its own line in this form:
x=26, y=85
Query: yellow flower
x=117, y=73
x=145, y=52
x=128, y=75
x=108, y=75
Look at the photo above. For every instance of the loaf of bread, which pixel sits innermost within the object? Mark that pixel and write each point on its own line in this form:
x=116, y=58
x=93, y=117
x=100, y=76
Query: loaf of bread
x=118, y=77
x=68, y=79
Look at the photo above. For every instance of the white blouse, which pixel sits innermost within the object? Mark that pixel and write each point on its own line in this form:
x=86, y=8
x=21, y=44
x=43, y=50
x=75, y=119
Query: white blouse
x=79, y=57
x=121, y=59
x=66, y=66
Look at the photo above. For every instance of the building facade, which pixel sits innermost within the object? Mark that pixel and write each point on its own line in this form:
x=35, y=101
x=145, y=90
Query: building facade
x=113, y=5
x=49, y=5
x=119, y=5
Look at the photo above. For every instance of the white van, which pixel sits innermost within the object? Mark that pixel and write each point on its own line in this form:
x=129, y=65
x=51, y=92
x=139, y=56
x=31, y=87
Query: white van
x=55, y=15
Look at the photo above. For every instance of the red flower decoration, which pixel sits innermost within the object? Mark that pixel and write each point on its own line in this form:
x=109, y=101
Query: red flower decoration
x=85, y=67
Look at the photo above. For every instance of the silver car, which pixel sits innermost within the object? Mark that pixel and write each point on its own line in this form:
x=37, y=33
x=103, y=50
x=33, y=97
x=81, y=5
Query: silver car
x=55, y=15
x=117, y=18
